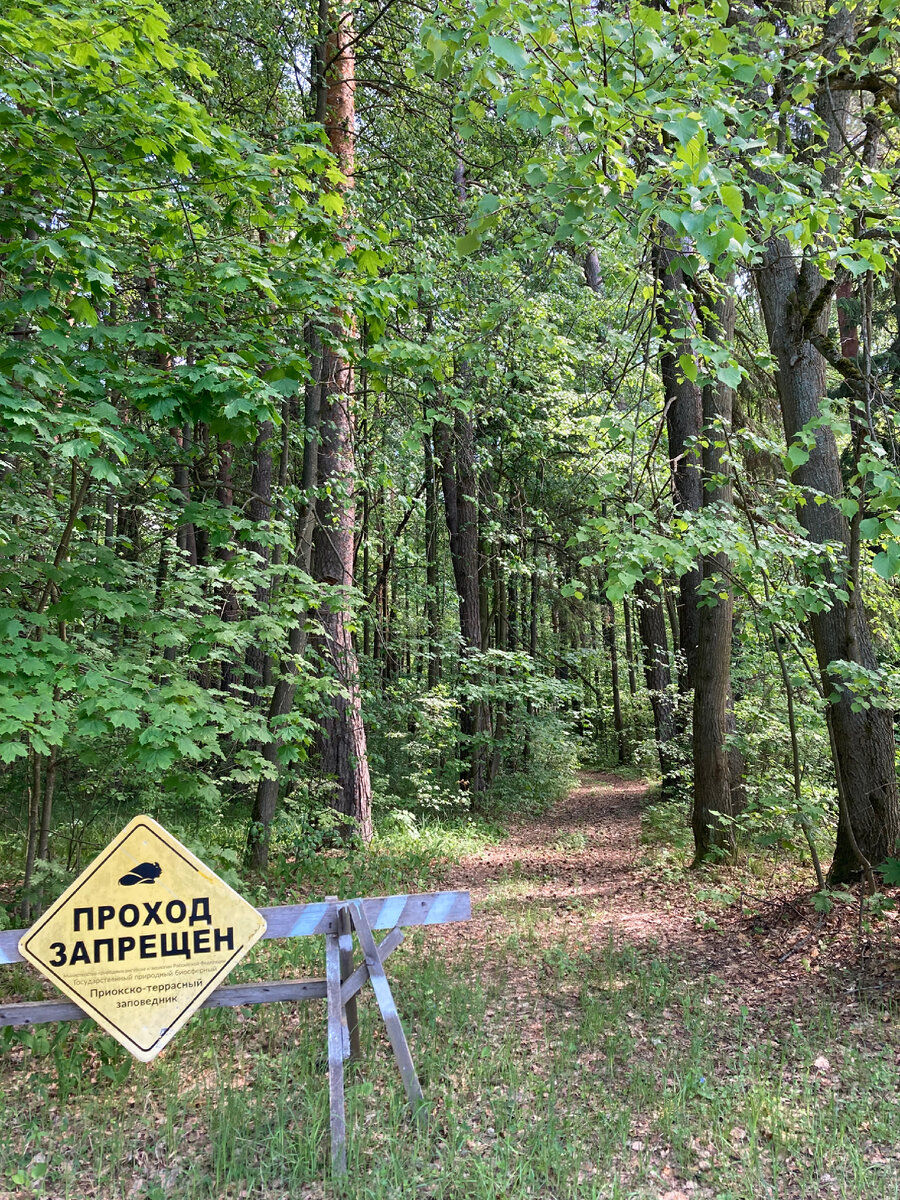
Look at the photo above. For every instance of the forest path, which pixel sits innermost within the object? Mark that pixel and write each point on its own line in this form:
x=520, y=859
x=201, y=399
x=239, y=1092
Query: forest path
x=575, y=867
x=670, y=1013
x=577, y=879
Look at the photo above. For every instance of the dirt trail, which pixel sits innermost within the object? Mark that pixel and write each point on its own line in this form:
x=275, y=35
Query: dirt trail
x=585, y=850
x=578, y=870
x=603, y=811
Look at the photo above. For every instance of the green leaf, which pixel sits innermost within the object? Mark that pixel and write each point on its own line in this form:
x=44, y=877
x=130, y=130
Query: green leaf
x=890, y=871
x=511, y=53
x=688, y=364
x=732, y=198
x=153, y=27
x=887, y=563
x=684, y=130
x=870, y=528
x=333, y=203
x=369, y=261
x=796, y=456
x=83, y=311
x=650, y=17
x=181, y=163
x=467, y=244
x=10, y=750
x=718, y=42
x=729, y=374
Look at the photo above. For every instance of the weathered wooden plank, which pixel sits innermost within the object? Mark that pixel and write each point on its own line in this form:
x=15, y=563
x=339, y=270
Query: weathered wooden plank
x=230, y=996
x=360, y=977
x=336, y=1033
x=301, y=920
x=40, y=1012
x=389, y=1014
x=429, y=908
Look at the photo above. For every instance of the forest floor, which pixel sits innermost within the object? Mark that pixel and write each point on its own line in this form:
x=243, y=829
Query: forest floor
x=609, y=1026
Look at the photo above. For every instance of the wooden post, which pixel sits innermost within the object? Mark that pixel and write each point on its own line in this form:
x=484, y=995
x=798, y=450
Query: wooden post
x=337, y=1039
x=351, y=1015
x=389, y=1014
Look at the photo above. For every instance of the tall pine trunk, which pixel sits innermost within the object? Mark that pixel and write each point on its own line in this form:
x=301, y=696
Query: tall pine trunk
x=341, y=738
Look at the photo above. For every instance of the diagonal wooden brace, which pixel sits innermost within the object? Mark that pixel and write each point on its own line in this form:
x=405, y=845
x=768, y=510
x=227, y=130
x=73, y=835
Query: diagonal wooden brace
x=389, y=1014
x=341, y=990
x=354, y=983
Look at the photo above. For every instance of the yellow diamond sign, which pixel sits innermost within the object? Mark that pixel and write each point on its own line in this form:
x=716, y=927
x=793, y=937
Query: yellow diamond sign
x=143, y=937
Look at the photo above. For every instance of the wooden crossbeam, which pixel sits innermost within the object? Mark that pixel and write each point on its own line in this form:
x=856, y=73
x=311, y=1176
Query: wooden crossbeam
x=345, y=935
x=338, y=1049
x=228, y=996
x=231, y=995
x=303, y=920
x=360, y=977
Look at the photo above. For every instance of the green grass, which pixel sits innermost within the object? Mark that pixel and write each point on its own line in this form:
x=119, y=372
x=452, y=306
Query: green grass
x=615, y=1075
x=563, y=1070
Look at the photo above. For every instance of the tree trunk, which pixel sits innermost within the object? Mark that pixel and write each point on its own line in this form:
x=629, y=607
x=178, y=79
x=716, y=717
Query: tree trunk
x=341, y=739
x=683, y=422
x=863, y=741
x=654, y=643
x=43, y=849
x=259, y=511
x=629, y=647
x=325, y=530
x=34, y=819
x=456, y=453
x=608, y=612
x=712, y=808
x=265, y=803
x=225, y=553
x=432, y=605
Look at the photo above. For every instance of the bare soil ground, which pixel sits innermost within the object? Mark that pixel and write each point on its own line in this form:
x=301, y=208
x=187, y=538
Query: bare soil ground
x=582, y=868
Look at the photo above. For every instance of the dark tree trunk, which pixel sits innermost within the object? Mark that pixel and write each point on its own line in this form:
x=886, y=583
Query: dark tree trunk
x=432, y=599
x=325, y=530
x=265, y=803
x=712, y=807
x=654, y=643
x=683, y=422
x=796, y=309
x=629, y=647
x=612, y=649
x=456, y=452
x=341, y=740
x=225, y=553
x=534, y=600
x=259, y=510
x=864, y=740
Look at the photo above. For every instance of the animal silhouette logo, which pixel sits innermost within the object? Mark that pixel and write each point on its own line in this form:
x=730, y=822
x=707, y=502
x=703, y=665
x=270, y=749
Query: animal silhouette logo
x=142, y=873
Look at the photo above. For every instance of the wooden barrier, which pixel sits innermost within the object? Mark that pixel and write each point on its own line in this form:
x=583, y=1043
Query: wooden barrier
x=337, y=920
